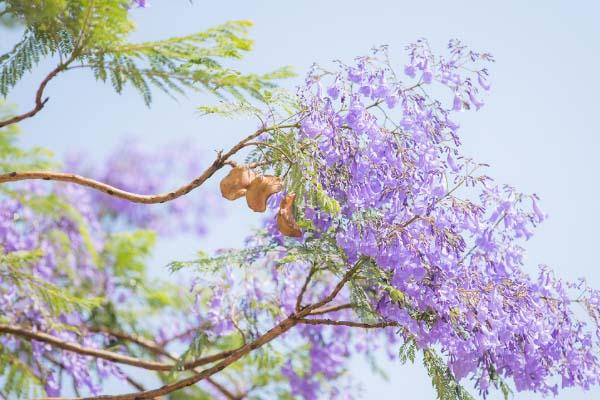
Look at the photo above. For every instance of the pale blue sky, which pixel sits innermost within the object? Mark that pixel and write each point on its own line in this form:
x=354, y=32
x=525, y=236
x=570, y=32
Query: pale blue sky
x=538, y=130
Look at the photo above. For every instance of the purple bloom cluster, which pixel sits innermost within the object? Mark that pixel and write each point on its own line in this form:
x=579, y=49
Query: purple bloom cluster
x=264, y=291
x=448, y=239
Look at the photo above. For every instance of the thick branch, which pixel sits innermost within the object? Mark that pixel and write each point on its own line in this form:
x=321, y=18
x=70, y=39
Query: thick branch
x=221, y=160
x=108, y=355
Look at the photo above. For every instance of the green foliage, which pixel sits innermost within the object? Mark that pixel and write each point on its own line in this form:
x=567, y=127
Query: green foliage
x=15, y=267
x=194, y=350
x=92, y=34
x=500, y=383
x=293, y=161
x=17, y=377
x=361, y=304
x=408, y=350
x=207, y=263
x=191, y=393
x=127, y=252
x=90, y=22
x=187, y=62
x=444, y=383
x=24, y=56
x=64, y=27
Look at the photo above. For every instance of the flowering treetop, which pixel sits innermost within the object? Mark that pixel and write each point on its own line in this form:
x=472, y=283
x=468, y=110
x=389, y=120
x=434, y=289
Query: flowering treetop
x=380, y=233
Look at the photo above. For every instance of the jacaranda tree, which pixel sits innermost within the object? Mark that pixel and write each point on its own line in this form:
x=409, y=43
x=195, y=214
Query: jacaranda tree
x=380, y=234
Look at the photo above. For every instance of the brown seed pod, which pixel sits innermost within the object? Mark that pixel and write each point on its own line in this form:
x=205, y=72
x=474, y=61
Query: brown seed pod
x=285, y=217
x=234, y=185
x=260, y=189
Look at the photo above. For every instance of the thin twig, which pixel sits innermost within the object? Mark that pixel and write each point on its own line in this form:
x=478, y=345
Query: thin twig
x=134, y=383
x=270, y=335
x=347, y=276
x=329, y=309
x=62, y=367
x=304, y=287
x=139, y=340
x=40, y=102
x=318, y=321
x=258, y=144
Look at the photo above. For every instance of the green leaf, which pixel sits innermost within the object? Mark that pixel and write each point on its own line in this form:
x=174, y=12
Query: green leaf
x=444, y=383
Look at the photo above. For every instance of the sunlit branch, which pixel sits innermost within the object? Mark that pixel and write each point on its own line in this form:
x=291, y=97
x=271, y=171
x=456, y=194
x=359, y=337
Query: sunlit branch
x=220, y=161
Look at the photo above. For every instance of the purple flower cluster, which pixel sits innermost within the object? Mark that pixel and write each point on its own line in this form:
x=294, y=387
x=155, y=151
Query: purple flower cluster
x=251, y=293
x=448, y=239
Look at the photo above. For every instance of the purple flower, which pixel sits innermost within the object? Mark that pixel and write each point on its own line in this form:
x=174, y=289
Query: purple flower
x=427, y=76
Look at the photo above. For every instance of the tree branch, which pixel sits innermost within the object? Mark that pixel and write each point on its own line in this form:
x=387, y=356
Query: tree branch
x=304, y=287
x=221, y=160
x=347, y=276
x=317, y=321
x=139, y=340
x=156, y=348
x=235, y=355
x=329, y=309
x=270, y=335
x=109, y=355
x=39, y=94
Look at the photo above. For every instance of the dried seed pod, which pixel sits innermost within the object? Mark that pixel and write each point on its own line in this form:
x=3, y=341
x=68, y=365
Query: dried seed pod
x=285, y=217
x=260, y=189
x=234, y=185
